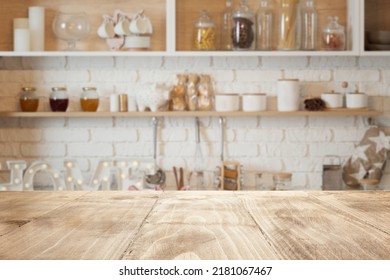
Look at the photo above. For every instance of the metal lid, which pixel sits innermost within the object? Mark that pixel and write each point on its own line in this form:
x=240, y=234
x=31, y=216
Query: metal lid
x=58, y=89
x=29, y=89
x=89, y=88
x=288, y=80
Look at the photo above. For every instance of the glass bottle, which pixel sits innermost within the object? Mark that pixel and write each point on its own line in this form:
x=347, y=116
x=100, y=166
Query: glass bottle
x=244, y=28
x=59, y=100
x=227, y=26
x=309, y=26
x=28, y=99
x=288, y=35
x=89, y=99
x=205, y=33
x=333, y=35
x=265, y=21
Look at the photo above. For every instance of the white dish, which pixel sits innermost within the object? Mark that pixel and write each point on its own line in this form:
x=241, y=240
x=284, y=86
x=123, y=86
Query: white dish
x=254, y=102
x=227, y=102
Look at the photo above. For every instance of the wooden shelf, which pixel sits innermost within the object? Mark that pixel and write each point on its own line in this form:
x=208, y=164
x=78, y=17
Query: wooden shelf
x=327, y=113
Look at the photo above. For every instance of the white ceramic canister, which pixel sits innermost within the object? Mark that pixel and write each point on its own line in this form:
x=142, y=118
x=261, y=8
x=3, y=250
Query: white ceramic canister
x=254, y=102
x=333, y=99
x=227, y=102
x=356, y=100
x=288, y=95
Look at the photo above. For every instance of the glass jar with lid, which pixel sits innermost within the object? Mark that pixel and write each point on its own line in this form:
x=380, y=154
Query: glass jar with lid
x=227, y=26
x=59, y=99
x=288, y=35
x=28, y=100
x=205, y=37
x=265, y=17
x=282, y=181
x=244, y=28
x=333, y=35
x=89, y=99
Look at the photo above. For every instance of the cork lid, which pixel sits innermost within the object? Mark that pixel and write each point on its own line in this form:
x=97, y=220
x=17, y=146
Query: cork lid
x=369, y=182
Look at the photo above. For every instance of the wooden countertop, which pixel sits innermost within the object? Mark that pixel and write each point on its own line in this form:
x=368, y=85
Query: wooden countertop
x=195, y=225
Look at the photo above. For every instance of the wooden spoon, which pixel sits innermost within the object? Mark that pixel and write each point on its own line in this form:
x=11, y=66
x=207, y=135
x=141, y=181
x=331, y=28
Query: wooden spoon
x=175, y=173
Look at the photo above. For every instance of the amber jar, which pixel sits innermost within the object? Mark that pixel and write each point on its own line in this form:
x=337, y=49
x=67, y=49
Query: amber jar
x=89, y=99
x=28, y=99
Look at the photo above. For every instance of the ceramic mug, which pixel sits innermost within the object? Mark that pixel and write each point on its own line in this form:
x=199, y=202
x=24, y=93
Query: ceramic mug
x=139, y=26
x=106, y=30
x=122, y=27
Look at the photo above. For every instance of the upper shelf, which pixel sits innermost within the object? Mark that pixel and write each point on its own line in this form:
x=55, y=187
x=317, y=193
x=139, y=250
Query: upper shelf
x=326, y=113
x=173, y=22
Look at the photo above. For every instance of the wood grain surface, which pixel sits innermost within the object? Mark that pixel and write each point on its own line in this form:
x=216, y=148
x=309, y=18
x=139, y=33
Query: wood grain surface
x=195, y=225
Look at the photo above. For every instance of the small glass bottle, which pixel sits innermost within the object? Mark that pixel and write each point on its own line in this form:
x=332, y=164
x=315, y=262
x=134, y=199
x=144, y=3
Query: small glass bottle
x=28, y=99
x=288, y=35
x=59, y=99
x=244, y=28
x=205, y=33
x=89, y=99
x=309, y=26
x=227, y=26
x=282, y=181
x=265, y=22
x=333, y=35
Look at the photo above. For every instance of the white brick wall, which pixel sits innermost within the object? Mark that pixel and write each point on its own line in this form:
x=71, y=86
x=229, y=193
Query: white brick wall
x=266, y=144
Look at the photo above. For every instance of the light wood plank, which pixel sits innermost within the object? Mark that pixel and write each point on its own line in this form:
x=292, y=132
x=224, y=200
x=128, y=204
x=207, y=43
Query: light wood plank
x=206, y=225
x=98, y=225
x=299, y=226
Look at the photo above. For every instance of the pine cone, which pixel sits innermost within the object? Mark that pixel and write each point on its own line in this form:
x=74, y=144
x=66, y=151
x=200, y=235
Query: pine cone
x=315, y=104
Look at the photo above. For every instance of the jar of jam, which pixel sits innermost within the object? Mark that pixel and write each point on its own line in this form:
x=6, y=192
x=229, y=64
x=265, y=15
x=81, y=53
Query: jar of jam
x=59, y=99
x=29, y=101
x=89, y=99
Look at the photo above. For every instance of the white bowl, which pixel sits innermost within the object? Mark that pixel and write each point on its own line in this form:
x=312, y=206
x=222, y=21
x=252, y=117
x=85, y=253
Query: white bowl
x=227, y=102
x=333, y=100
x=253, y=102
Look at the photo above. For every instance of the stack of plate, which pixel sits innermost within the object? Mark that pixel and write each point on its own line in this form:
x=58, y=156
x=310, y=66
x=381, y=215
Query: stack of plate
x=378, y=40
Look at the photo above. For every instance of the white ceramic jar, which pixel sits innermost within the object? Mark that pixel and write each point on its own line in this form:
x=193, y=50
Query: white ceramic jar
x=288, y=95
x=227, y=102
x=356, y=100
x=333, y=100
x=254, y=102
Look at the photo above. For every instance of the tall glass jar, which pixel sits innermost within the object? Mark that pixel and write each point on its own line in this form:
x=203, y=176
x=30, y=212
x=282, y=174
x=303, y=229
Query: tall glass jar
x=265, y=25
x=59, y=99
x=205, y=33
x=244, y=28
x=28, y=99
x=89, y=99
x=227, y=26
x=309, y=25
x=333, y=35
x=288, y=35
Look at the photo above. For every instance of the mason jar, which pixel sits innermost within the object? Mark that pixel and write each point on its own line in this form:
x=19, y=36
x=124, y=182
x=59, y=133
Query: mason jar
x=59, y=99
x=89, y=99
x=28, y=100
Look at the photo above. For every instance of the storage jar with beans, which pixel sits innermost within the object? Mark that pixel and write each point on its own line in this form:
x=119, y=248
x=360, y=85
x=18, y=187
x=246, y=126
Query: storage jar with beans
x=244, y=28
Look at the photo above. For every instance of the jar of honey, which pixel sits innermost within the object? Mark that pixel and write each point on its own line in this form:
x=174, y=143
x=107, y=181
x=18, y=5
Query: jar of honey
x=59, y=99
x=89, y=99
x=29, y=101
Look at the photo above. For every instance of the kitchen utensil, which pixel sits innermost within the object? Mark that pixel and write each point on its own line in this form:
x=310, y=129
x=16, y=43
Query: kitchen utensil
x=198, y=160
x=159, y=177
x=181, y=180
x=176, y=178
x=380, y=37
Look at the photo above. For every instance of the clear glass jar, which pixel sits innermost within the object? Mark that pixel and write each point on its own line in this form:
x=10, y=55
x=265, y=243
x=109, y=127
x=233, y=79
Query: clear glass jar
x=28, y=100
x=89, y=99
x=282, y=181
x=309, y=26
x=333, y=35
x=59, y=99
x=288, y=35
x=369, y=184
x=205, y=35
x=265, y=26
x=227, y=26
x=244, y=28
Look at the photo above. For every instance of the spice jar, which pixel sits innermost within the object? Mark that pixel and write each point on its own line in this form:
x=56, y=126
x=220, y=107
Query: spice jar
x=333, y=35
x=265, y=25
x=244, y=28
x=59, y=99
x=205, y=33
x=288, y=95
x=282, y=181
x=28, y=99
x=89, y=99
x=288, y=38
